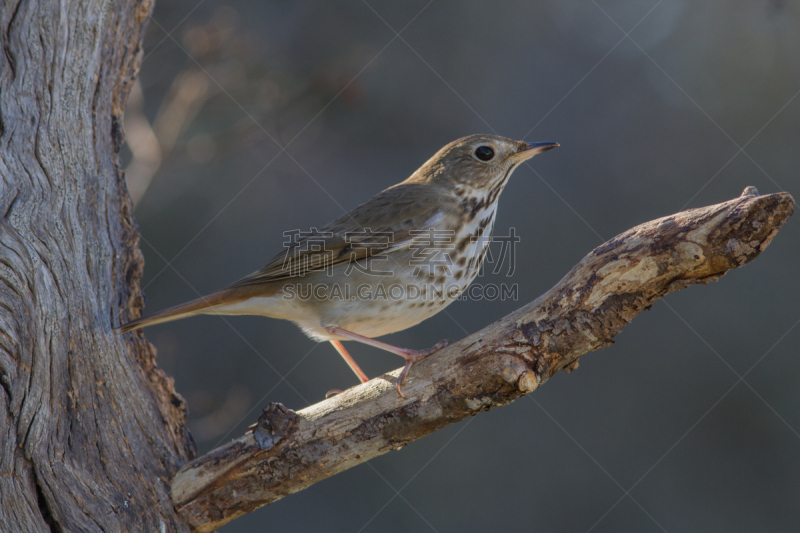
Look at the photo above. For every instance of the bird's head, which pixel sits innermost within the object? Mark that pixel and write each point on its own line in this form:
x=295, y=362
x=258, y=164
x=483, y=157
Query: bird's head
x=477, y=162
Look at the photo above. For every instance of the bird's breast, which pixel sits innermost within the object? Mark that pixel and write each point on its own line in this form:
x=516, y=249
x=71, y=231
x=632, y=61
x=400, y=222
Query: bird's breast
x=472, y=240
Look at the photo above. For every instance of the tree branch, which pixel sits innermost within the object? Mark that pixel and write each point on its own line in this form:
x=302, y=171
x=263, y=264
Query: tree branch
x=286, y=452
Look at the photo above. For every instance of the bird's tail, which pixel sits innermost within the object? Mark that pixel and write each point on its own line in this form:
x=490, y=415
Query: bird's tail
x=200, y=306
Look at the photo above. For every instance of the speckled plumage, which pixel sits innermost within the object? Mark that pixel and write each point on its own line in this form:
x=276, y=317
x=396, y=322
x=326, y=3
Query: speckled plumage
x=453, y=195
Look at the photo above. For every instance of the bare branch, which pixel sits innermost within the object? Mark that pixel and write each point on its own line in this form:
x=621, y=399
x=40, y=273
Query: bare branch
x=289, y=451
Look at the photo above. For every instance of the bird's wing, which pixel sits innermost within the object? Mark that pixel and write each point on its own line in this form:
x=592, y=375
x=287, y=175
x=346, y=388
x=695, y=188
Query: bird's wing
x=381, y=226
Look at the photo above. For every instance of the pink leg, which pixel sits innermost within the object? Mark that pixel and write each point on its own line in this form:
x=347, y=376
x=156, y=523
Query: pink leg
x=350, y=362
x=411, y=356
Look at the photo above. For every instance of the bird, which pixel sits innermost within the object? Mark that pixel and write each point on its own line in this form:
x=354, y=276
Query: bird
x=395, y=260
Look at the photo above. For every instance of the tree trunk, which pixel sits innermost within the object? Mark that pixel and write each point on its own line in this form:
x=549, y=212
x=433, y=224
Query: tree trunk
x=92, y=432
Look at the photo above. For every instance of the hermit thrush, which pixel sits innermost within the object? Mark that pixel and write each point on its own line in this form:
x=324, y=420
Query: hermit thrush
x=387, y=265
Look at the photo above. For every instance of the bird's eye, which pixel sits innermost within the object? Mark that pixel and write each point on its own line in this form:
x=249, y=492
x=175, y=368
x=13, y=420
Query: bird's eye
x=484, y=153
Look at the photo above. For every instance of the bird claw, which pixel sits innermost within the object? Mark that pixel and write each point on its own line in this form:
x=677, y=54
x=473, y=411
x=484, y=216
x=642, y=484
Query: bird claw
x=443, y=343
x=402, y=377
x=420, y=354
x=332, y=392
x=414, y=356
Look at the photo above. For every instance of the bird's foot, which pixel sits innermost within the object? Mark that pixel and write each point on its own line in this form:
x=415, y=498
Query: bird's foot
x=435, y=348
x=412, y=356
x=332, y=392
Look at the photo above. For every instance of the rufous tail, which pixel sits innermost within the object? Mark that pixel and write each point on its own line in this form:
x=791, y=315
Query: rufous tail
x=195, y=307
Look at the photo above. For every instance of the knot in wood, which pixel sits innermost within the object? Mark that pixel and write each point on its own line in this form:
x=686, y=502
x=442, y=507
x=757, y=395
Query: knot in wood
x=509, y=374
x=528, y=382
x=275, y=422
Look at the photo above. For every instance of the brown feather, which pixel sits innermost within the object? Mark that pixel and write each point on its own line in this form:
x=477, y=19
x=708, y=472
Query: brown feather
x=342, y=241
x=398, y=210
x=202, y=305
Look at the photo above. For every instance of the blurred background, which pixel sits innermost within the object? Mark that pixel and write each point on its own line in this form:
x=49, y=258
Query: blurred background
x=688, y=423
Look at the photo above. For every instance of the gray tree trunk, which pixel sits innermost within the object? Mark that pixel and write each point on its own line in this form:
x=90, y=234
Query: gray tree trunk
x=91, y=432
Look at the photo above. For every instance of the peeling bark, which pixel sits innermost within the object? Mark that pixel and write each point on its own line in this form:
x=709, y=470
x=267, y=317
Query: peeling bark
x=286, y=451
x=91, y=432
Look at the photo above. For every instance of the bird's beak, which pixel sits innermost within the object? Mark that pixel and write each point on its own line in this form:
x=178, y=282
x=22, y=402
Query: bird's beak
x=531, y=150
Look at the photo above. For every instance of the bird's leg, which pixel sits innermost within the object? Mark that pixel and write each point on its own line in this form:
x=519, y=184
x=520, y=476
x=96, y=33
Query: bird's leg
x=411, y=356
x=350, y=362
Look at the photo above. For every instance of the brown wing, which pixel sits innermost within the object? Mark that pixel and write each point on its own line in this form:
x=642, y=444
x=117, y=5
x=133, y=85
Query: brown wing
x=357, y=235
x=382, y=225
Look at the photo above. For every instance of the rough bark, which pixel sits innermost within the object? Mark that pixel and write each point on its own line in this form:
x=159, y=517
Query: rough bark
x=286, y=451
x=91, y=432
